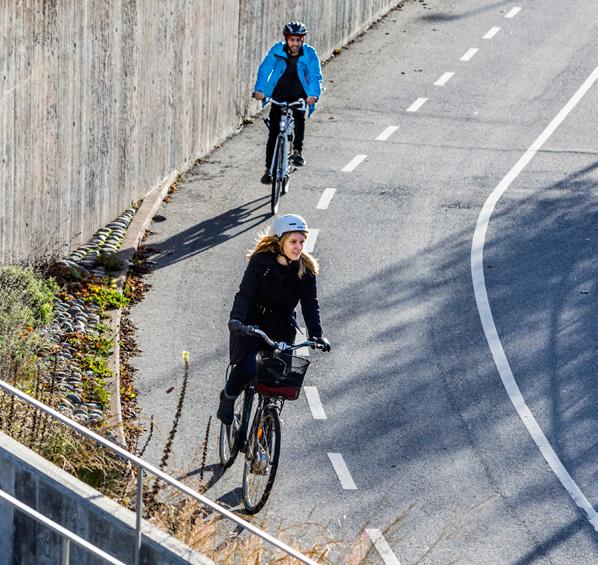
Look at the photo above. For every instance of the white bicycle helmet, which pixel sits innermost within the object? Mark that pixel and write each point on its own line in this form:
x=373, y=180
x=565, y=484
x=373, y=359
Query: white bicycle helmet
x=287, y=223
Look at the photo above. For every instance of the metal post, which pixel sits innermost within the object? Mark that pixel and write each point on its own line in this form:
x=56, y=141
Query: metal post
x=138, y=509
x=66, y=551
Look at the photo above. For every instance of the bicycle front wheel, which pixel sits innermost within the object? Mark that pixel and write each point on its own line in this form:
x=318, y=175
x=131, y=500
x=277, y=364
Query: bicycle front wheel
x=285, y=185
x=261, y=460
x=230, y=440
x=277, y=180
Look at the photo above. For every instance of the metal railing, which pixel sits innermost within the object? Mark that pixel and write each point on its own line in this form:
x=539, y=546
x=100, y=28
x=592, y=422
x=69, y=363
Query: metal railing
x=143, y=466
x=67, y=535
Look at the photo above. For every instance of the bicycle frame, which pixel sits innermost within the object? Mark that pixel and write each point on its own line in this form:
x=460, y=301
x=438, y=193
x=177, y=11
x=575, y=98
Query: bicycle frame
x=263, y=401
x=286, y=129
x=258, y=433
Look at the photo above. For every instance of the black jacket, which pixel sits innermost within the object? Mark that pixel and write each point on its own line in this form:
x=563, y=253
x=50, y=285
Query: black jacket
x=267, y=297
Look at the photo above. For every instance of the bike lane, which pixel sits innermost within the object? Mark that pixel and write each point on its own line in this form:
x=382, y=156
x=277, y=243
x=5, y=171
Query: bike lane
x=397, y=390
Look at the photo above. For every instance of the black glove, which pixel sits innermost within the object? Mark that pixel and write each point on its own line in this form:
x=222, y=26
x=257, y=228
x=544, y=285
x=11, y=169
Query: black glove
x=234, y=326
x=323, y=342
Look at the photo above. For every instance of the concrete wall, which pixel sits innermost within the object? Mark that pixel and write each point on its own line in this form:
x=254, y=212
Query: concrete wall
x=66, y=500
x=100, y=100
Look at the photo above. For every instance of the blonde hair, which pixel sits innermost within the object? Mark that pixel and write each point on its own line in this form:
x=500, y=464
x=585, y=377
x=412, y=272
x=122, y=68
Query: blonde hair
x=267, y=242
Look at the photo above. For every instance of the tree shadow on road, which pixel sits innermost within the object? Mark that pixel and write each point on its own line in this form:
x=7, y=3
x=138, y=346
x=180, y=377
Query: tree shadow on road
x=540, y=273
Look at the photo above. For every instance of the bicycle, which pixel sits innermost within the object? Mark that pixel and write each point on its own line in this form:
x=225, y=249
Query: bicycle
x=279, y=377
x=282, y=163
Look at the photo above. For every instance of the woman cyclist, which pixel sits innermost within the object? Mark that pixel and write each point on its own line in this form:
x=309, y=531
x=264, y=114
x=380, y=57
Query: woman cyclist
x=280, y=274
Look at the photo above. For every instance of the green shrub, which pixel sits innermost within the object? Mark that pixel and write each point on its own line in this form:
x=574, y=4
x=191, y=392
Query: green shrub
x=26, y=304
x=22, y=290
x=105, y=297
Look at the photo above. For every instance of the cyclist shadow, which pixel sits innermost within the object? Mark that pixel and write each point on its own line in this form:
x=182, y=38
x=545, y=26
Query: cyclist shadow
x=215, y=471
x=210, y=233
x=232, y=499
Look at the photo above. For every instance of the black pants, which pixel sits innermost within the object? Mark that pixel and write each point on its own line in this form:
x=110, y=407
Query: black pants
x=275, y=113
x=241, y=374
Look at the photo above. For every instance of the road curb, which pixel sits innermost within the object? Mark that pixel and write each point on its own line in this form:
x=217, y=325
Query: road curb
x=135, y=233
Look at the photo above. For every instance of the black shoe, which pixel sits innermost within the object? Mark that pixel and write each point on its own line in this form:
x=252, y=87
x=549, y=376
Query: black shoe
x=266, y=178
x=226, y=409
x=298, y=159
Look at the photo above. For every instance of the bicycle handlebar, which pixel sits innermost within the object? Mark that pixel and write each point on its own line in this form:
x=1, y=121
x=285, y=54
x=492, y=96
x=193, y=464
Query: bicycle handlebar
x=300, y=104
x=281, y=345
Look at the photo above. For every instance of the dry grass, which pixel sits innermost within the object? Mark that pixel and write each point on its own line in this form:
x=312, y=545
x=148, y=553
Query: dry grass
x=29, y=361
x=217, y=538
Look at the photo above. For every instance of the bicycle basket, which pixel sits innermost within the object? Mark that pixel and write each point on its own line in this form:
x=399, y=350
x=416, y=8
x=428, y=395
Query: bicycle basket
x=280, y=374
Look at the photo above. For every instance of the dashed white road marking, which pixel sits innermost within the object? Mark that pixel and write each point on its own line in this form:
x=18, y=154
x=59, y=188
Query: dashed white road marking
x=513, y=12
x=444, y=79
x=483, y=304
x=382, y=546
x=387, y=133
x=469, y=54
x=491, y=32
x=315, y=405
x=417, y=105
x=342, y=471
x=354, y=163
x=310, y=242
x=325, y=199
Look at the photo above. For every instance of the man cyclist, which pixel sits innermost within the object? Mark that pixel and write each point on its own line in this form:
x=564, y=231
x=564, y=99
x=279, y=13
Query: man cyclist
x=290, y=71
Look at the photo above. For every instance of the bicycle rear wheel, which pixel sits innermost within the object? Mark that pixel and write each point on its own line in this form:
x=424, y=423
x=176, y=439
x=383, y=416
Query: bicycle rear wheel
x=277, y=180
x=261, y=460
x=230, y=440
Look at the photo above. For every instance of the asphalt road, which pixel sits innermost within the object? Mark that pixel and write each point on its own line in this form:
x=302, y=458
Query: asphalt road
x=442, y=462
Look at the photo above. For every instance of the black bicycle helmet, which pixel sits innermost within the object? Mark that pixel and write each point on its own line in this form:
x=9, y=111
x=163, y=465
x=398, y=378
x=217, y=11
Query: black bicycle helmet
x=294, y=28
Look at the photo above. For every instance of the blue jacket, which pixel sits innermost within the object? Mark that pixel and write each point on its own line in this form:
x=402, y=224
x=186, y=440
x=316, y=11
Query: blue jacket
x=275, y=63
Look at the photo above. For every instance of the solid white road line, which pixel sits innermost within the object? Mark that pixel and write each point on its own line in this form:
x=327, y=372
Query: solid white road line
x=310, y=243
x=417, y=105
x=469, y=54
x=444, y=79
x=313, y=399
x=354, y=163
x=382, y=546
x=492, y=337
x=513, y=12
x=342, y=471
x=491, y=32
x=387, y=133
x=325, y=199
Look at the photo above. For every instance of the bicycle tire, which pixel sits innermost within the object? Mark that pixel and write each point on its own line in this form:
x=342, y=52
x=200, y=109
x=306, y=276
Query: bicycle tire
x=291, y=168
x=229, y=440
x=277, y=180
x=285, y=185
x=261, y=460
